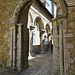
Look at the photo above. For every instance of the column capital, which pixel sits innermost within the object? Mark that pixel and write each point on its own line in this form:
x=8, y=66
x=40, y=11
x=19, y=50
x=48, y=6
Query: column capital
x=43, y=31
x=49, y=33
x=59, y=17
x=13, y=25
x=59, y=20
x=32, y=27
x=19, y=24
x=14, y=48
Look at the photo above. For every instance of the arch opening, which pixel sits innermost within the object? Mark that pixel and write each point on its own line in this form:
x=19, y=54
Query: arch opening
x=21, y=36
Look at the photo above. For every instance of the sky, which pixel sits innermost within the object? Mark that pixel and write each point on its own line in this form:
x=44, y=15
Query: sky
x=49, y=8
x=48, y=1
x=55, y=8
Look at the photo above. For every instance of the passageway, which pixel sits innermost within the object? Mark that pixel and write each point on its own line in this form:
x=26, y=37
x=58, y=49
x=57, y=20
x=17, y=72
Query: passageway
x=42, y=64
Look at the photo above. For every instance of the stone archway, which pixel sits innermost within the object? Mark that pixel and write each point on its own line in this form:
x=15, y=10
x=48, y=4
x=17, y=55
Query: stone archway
x=19, y=8
x=31, y=29
x=48, y=31
x=18, y=24
x=20, y=36
x=40, y=28
x=58, y=30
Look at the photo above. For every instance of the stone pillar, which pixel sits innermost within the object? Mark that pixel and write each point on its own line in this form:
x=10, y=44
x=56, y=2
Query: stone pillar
x=59, y=55
x=31, y=41
x=19, y=46
x=56, y=64
x=22, y=47
x=25, y=47
x=61, y=47
x=41, y=41
x=42, y=44
x=48, y=38
x=13, y=47
x=49, y=42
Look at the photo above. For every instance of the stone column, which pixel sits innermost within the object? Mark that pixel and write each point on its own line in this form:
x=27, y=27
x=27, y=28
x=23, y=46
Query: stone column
x=61, y=47
x=31, y=40
x=25, y=46
x=19, y=46
x=56, y=64
x=59, y=54
x=48, y=38
x=42, y=44
x=62, y=42
x=13, y=47
x=49, y=42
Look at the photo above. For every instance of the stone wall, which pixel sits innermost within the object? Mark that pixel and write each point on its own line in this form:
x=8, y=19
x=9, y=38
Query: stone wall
x=6, y=18
x=7, y=8
x=36, y=48
x=10, y=14
x=23, y=18
x=65, y=39
x=71, y=39
x=6, y=21
x=56, y=64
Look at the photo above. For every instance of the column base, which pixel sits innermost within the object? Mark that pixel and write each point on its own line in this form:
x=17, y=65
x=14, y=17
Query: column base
x=33, y=54
x=42, y=52
x=14, y=68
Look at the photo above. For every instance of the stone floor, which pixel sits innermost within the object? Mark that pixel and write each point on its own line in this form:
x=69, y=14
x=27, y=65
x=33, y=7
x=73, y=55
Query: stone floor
x=42, y=64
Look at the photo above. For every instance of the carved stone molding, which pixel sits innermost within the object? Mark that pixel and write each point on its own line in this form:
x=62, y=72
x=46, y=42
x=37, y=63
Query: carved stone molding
x=49, y=33
x=19, y=7
x=43, y=31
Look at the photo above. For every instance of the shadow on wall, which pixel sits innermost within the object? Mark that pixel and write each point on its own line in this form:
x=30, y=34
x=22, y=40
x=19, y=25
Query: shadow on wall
x=36, y=49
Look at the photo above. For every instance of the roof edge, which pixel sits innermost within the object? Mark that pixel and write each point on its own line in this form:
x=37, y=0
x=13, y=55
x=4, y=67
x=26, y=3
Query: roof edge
x=45, y=8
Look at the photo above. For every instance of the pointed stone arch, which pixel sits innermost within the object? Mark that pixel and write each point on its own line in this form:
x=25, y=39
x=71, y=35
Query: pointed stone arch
x=40, y=24
x=47, y=28
x=20, y=36
x=48, y=32
x=19, y=8
x=61, y=7
x=31, y=18
x=58, y=33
